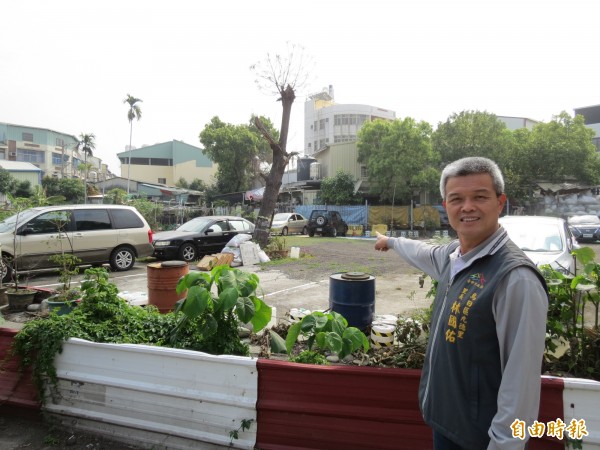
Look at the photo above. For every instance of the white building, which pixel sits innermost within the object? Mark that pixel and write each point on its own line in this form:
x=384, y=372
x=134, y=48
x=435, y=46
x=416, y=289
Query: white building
x=326, y=122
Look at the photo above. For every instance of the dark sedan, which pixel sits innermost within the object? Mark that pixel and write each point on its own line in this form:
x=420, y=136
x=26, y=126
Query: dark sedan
x=585, y=228
x=198, y=237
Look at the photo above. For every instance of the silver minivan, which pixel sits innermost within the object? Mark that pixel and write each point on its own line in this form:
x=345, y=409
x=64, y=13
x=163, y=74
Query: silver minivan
x=96, y=234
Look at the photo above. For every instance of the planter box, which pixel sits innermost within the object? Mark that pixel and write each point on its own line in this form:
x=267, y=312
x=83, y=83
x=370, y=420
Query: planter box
x=16, y=387
x=155, y=397
x=169, y=398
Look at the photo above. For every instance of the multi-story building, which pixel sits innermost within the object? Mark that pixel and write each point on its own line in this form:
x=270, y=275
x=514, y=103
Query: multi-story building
x=53, y=152
x=326, y=122
x=591, y=115
x=166, y=163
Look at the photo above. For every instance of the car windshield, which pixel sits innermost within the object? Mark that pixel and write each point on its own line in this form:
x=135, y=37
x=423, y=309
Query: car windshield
x=535, y=237
x=577, y=220
x=281, y=217
x=8, y=224
x=195, y=225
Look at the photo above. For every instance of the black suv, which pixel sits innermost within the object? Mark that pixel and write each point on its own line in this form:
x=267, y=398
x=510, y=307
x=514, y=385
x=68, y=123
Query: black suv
x=326, y=223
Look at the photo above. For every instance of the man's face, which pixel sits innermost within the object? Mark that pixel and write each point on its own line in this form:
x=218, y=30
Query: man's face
x=473, y=208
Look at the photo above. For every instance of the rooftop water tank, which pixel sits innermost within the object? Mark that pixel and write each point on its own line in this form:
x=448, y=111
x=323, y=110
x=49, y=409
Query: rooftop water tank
x=315, y=171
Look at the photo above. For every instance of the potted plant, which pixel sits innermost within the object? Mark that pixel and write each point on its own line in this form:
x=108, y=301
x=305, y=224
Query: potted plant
x=19, y=297
x=277, y=248
x=66, y=298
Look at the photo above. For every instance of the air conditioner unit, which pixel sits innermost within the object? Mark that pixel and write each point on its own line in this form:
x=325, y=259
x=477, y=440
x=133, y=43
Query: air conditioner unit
x=12, y=154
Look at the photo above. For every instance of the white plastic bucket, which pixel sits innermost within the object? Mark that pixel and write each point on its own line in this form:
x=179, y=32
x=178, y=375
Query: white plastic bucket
x=295, y=252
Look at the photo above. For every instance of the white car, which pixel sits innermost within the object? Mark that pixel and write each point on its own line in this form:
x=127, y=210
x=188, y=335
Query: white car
x=545, y=240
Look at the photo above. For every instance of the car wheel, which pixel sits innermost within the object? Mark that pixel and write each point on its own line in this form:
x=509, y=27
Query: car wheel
x=187, y=252
x=122, y=259
x=321, y=220
x=284, y=231
x=345, y=232
x=334, y=232
x=304, y=230
x=5, y=270
x=311, y=233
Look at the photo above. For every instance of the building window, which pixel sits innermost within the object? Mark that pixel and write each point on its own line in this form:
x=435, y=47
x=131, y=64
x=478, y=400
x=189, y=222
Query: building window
x=162, y=180
x=32, y=156
x=160, y=162
x=56, y=159
x=309, y=145
x=28, y=137
x=60, y=142
x=322, y=124
x=140, y=161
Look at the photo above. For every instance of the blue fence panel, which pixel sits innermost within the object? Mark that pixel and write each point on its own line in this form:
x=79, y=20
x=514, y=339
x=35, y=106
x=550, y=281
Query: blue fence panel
x=352, y=215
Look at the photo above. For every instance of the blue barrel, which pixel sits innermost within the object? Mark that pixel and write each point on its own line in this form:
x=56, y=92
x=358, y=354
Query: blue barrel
x=352, y=294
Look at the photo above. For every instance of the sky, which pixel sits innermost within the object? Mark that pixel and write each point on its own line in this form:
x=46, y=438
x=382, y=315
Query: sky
x=68, y=65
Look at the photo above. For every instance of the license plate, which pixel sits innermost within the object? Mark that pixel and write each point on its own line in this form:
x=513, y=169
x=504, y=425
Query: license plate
x=319, y=229
x=588, y=235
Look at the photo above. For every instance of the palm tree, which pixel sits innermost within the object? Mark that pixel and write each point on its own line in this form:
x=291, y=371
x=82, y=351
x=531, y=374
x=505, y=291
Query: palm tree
x=134, y=113
x=86, y=143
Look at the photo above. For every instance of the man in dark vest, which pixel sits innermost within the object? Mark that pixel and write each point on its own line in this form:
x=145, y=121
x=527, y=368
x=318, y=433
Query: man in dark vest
x=484, y=355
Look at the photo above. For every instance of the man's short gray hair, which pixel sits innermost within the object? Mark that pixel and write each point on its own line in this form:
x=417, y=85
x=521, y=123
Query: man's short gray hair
x=472, y=166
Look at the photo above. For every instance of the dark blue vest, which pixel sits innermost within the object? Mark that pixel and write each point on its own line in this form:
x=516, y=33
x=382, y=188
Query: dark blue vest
x=462, y=372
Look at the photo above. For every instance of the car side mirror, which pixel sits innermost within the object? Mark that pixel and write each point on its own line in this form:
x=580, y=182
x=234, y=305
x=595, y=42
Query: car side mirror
x=210, y=230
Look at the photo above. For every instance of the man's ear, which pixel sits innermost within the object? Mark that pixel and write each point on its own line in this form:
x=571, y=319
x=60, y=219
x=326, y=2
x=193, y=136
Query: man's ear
x=501, y=200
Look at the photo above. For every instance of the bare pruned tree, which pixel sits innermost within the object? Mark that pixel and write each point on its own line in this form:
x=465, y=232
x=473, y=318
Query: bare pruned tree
x=282, y=75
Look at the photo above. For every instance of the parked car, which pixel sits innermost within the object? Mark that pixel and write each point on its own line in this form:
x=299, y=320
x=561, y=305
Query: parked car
x=545, y=240
x=199, y=236
x=96, y=234
x=326, y=223
x=585, y=228
x=444, y=222
x=286, y=223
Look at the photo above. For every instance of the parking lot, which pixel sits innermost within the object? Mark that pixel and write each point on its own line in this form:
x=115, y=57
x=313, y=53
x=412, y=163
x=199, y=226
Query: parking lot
x=291, y=285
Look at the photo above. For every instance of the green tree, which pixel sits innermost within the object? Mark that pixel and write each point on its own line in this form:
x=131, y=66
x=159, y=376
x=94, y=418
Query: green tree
x=70, y=188
x=182, y=183
x=338, y=190
x=472, y=133
x=197, y=185
x=8, y=183
x=86, y=144
x=152, y=211
x=116, y=196
x=398, y=156
x=23, y=189
x=134, y=112
x=233, y=148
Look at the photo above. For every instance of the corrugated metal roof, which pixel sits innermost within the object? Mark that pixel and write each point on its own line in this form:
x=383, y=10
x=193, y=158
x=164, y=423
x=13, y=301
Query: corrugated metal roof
x=19, y=166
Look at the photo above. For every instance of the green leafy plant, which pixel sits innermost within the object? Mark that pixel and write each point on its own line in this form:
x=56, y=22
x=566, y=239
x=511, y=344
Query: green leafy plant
x=217, y=316
x=330, y=332
x=101, y=317
x=566, y=325
x=68, y=269
x=244, y=426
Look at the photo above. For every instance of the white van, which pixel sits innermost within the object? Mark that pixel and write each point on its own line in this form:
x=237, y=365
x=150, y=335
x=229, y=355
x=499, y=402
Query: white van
x=96, y=234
